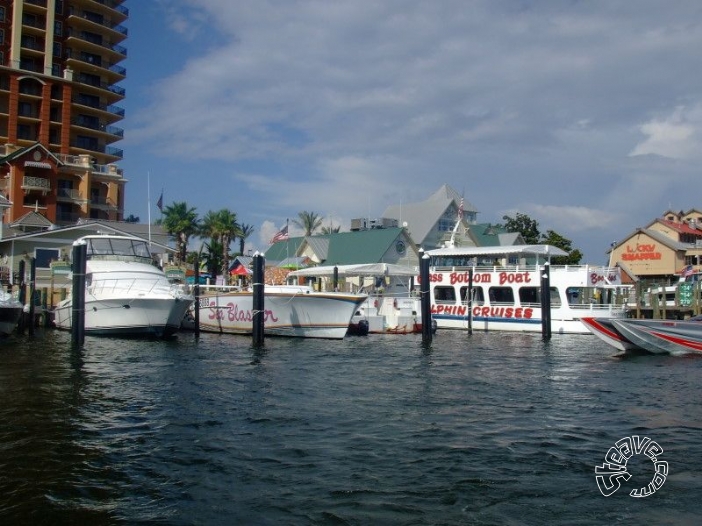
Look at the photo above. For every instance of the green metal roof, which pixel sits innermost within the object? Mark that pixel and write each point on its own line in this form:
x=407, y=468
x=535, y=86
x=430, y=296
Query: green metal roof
x=340, y=248
x=363, y=246
x=283, y=249
x=486, y=234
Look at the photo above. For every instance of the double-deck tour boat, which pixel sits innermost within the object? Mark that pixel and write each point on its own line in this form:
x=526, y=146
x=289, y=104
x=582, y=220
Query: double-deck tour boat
x=505, y=289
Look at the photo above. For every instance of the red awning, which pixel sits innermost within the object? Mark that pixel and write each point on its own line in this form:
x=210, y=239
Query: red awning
x=241, y=270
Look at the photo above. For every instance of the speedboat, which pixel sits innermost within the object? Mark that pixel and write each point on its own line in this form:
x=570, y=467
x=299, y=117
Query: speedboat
x=604, y=329
x=126, y=294
x=10, y=313
x=663, y=336
x=289, y=310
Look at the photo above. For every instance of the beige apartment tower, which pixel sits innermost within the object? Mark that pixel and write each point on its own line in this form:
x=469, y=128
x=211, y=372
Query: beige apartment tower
x=59, y=108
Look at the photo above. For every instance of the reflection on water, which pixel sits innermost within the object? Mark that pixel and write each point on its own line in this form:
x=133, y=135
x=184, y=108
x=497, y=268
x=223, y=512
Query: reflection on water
x=482, y=428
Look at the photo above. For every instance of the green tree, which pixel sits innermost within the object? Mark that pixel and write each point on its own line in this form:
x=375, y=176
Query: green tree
x=529, y=230
x=331, y=229
x=574, y=255
x=181, y=222
x=244, y=233
x=525, y=225
x=211, y=256
x=221, y=226
x=131, y=219
x=309, y=221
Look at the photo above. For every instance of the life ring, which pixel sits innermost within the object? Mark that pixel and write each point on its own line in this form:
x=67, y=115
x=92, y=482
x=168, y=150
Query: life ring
x=375, y=304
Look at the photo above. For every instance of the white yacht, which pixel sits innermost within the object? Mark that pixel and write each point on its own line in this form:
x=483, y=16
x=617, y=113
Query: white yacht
x=126, y=294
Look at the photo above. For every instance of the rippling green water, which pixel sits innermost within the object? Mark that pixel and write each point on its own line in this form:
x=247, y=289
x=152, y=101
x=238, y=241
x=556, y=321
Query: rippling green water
x=481, y=429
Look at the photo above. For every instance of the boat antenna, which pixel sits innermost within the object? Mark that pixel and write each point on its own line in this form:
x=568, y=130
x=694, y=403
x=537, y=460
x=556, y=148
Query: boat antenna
x=148, y=201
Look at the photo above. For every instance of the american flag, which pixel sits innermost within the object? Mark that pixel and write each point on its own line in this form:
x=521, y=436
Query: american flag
x=687, y=271
x=282, y=235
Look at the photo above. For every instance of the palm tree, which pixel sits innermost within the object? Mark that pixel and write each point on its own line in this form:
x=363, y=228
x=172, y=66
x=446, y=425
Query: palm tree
x=181, y=222
x=211, y=255
x=221, y=226
x=244, y=232
x=331, y=229
x=309, y=221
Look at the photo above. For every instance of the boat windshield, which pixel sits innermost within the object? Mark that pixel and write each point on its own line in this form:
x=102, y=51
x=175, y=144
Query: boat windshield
x=118, y=247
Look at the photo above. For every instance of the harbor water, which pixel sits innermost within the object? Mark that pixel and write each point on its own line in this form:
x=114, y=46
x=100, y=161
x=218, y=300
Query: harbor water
x=473, y=429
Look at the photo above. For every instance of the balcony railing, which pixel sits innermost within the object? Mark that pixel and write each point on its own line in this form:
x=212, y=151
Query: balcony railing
x=100, y=20
x=98, y=126
x=102, y=203
x=98, y=40
x=67, y=217
x=69, y=194
x=110, y=170
x=108, y=150
x=116, y=152
x=109, y=108
x=114, y=5
x=30, y=182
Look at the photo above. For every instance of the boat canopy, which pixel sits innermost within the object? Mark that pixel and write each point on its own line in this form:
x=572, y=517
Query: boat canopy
x=365, y=269
x=545, y=251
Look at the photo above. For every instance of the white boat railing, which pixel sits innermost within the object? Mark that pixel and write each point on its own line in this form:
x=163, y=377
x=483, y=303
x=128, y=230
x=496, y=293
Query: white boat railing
x=133, y=285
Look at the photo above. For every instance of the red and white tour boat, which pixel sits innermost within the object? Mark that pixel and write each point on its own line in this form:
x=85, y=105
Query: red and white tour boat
x=506, y=289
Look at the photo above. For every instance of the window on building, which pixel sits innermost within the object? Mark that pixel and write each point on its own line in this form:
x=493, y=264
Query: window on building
x=44, y=256
x=58, y=28
x=24, y=131
x=88, y=143
x=25, y=109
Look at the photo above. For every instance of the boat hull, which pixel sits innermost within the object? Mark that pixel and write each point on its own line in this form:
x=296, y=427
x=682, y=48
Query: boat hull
x=9, y=318
x=390, y=315
x=145, y=316
x=528, y=319
x=663, y=336
x=295, y=313
x=604, y=329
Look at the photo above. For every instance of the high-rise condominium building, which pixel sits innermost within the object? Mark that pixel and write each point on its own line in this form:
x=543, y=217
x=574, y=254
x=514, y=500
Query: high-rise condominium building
x=59, y=108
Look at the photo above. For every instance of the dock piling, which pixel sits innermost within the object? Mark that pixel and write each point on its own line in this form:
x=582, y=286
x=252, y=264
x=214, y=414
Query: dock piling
x=426, y=297
x=80, y=250
x=545, y=303
x=258, y=299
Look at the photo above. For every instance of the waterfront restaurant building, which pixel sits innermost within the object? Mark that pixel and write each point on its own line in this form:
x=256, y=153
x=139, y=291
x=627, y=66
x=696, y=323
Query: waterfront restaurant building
x=661, y=250
x=59, y=94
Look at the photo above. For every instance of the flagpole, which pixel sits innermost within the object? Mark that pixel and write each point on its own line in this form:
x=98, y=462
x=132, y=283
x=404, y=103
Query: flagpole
x=287, y=240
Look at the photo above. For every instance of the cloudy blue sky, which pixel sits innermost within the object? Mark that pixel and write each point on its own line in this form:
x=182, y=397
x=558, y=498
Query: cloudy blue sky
x=583, y=115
